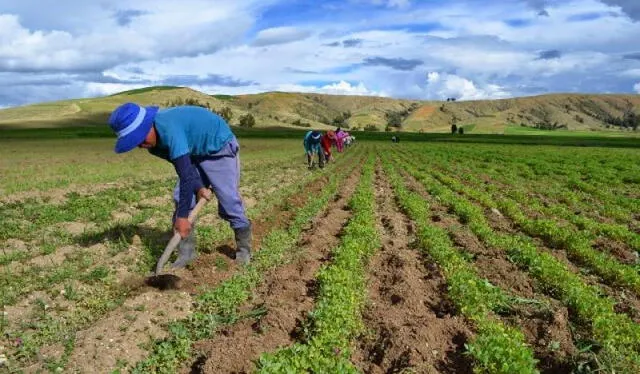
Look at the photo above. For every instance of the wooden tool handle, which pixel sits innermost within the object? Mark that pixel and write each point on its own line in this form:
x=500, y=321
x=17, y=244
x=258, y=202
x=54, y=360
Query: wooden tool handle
x=175, y=240
x=194, y=213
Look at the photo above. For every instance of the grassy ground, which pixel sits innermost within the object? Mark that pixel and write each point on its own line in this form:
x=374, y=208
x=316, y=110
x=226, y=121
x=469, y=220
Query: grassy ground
x=519, y=130
x=30, y=165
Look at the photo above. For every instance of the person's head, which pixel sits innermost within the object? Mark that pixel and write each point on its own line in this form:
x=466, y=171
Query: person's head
x=338, y=129
x=133, y=125
x=331, y=134
x=315, y=136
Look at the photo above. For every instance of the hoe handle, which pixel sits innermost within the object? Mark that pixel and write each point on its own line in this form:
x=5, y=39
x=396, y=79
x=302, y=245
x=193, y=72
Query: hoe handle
x=175, y=240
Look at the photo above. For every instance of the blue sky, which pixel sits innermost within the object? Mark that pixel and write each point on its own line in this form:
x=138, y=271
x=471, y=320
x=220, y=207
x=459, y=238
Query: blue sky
x=468, y=49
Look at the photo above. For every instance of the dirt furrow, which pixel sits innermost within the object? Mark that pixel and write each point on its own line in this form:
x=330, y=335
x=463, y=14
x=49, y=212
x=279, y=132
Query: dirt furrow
x=410, y=321
x=284, y=299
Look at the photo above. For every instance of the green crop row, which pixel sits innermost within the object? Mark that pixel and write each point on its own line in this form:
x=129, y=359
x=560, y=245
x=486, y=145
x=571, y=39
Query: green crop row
x=577, y=244
x=497, y=348
x=336, y=319
x=219, y=306
x=617, y=335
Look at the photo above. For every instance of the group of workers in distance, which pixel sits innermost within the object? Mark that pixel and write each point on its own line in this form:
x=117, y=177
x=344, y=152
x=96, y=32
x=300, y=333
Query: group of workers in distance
x=318, y=144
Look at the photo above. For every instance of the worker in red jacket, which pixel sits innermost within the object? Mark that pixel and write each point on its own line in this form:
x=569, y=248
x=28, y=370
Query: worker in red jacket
x=327, y=139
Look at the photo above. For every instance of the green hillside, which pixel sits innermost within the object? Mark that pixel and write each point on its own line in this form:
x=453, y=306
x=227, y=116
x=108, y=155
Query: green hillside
x=606, y=114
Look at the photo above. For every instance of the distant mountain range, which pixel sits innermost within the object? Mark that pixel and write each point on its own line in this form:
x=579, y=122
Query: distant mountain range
x=576, y=112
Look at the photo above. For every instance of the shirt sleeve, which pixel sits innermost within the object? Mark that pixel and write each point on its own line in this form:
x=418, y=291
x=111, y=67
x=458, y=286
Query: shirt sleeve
x=177, y=144
x=190, y=183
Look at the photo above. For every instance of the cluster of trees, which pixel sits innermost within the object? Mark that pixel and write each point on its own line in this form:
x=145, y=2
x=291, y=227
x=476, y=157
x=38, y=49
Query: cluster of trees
x=629, y=120
x=451, y=99
x=549, y=126
x=247, y=120
x=224, y=112
x=545, y=120
x=395, y=118
x=179, y=101
x=341, y=120
x=457, y=130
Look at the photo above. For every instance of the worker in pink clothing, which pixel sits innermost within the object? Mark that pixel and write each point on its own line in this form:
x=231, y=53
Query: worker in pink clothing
x=340, y=137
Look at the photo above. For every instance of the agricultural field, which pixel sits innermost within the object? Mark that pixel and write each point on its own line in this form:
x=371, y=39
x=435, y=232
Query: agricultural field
x=417, y=257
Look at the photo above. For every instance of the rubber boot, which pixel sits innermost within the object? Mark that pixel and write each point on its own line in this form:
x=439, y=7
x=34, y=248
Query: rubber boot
x=243, y=245
x=186, y=250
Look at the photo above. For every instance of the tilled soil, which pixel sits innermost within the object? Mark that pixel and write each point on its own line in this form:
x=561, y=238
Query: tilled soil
x=622, y=251
x=410, y=321
x=546, y=327
x=286, y=296
x=120, y=335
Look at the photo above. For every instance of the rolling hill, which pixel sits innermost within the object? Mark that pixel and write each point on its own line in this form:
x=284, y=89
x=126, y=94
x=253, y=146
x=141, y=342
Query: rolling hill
x=562, y=112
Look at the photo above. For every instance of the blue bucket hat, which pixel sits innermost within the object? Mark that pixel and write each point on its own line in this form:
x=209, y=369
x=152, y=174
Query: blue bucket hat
x=131, y=123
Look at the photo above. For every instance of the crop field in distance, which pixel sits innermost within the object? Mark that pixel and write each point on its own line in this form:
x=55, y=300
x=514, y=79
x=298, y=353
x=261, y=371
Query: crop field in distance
x=416, y=257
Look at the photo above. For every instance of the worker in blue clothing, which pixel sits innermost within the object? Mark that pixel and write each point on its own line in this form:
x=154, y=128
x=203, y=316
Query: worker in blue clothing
x=204, y=152
x=312, y=146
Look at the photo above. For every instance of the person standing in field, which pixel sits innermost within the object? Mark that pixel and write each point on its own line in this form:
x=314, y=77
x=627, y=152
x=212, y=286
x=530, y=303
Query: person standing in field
x=204, y=152
x=328, y=138
x=312, y=147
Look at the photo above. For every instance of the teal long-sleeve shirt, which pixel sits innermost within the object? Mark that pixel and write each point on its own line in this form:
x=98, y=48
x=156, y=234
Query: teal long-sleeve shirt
x=182, y=133
x=189, y=130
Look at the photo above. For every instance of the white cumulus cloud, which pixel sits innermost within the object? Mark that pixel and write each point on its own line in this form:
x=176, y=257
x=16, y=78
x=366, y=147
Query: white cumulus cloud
x=335, y=88
x=636, y=87
x=443, y=85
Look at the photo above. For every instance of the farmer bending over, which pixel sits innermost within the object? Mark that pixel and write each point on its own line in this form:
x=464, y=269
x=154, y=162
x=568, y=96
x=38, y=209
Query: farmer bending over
x=326, y=140
x=203, y=151
x=312, y=146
